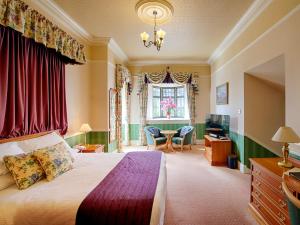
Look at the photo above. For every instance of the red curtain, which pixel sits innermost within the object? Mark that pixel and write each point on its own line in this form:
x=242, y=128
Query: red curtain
x=32, y=86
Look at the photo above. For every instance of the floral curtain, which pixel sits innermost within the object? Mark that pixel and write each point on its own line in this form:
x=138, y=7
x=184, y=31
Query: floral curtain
x=179, y=78
x=20, y=17
x=192, y=110
x=143, y=100
x=123, y=81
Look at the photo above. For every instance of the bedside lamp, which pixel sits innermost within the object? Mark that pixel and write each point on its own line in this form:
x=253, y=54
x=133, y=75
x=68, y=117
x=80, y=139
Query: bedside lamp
x=85, y=128
x=285, y=135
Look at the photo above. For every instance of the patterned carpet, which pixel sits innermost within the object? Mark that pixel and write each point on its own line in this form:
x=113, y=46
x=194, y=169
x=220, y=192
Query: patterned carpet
x=199, y=194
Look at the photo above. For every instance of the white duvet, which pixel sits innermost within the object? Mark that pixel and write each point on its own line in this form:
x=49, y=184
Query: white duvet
x=56, y=202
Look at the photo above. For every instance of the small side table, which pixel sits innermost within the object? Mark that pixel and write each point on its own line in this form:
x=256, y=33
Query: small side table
x=89, y=148
x=169, y=134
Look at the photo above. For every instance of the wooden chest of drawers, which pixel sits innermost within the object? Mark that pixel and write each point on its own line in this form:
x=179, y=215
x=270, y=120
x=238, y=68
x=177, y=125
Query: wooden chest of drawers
x=216, y=150
x=267, y=201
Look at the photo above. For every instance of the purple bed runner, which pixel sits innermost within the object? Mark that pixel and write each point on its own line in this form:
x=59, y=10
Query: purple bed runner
x=125, y=196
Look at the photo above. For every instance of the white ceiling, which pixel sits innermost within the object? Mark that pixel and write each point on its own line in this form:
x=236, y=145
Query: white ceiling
x=196, y=30
x=272, y=71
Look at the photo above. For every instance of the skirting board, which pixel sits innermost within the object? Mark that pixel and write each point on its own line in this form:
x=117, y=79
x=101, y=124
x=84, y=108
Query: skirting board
x=243, y=168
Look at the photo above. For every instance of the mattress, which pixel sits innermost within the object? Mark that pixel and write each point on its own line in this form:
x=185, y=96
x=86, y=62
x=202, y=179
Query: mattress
x=57, y=202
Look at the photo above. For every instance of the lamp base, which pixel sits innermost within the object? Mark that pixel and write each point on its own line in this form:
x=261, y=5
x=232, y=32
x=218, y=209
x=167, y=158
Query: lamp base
x=285, y=164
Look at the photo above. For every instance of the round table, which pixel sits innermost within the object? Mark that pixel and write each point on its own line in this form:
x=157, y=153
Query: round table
x=169, y=134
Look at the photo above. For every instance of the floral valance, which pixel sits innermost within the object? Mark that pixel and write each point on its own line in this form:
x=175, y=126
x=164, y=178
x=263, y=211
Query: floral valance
x=168, y=77
x=20, y=17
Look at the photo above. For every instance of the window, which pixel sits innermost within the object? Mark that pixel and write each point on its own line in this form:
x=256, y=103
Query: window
x=158, y=93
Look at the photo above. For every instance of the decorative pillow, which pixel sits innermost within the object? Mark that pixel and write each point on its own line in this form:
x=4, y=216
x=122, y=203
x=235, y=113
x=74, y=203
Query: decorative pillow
x=6, y=181
x=184, y=131
x=25, y=169
x=44, y=141
x=10, y=148
x=55, y=160
x=155, y=131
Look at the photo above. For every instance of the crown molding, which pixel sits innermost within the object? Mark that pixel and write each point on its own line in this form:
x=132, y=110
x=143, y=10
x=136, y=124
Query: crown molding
x=251, y=14
x=170, y=62
x=270, y=29
x=117, y=50
x=61, y=18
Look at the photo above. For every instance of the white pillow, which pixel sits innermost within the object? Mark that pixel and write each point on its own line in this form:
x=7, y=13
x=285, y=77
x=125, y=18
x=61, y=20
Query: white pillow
x=6, y=181
x=42, y=142
x=10, y=148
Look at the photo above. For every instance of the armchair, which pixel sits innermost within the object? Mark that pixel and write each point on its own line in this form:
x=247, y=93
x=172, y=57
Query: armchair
x=183, y=136
x=293, y=205
x=154, y=137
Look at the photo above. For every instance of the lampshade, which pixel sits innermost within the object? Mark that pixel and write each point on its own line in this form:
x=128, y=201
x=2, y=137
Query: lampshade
x=161, y=33
x=144, y=36
x=85, y=127
x=286, y=135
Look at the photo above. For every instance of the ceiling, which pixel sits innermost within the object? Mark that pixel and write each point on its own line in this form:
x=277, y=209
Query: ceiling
x=272, y=71
x=195, y=31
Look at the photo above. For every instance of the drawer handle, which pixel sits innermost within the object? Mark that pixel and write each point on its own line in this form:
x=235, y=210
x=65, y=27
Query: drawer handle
x=257, y=183
x=257, y=204
x=257, y=194
x=282, y=203
x=280, y=189
x=258, y=172
x=281, y=217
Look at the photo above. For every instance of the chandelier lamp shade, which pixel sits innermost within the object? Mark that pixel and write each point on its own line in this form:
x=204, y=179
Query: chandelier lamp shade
x=158, y=36
x=157, y=12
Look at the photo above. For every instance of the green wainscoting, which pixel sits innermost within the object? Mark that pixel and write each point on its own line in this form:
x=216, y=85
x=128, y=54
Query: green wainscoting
x=238, y=145
x=94, y=137
x=134, y=132
x=294, y=156
x=134, y=129
x=247, y=148
x=255, y=150
x=173, y=126
x=75, y=140
x=200, y=131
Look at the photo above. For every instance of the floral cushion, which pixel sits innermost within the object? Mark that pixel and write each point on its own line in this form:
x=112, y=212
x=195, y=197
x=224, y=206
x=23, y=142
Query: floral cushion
x=55, y=160
x=155, y=131
x=25, y=169
x=184, y=131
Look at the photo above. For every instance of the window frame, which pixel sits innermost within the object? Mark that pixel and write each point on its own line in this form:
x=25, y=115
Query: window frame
x=162, y=97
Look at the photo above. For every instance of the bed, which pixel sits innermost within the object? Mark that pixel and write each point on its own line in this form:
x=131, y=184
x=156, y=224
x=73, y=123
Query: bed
x=57, y=202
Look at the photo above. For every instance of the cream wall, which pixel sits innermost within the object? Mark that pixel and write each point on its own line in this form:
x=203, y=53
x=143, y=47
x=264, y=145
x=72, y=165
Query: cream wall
x=77, y=82
x=265, y=106
x=269, y=17
x=202, y=99
x=87, y=89
x=283, y=39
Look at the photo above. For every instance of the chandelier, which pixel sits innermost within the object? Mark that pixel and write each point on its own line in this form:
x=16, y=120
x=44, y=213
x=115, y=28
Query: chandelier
x=158, y=36
x=157, y=12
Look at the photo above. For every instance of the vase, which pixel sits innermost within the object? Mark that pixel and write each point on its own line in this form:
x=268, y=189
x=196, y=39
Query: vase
x=168, y=115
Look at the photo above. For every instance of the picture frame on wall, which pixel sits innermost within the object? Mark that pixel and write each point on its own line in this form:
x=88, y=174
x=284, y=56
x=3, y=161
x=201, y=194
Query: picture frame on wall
x=222, y=94
x=112, y=114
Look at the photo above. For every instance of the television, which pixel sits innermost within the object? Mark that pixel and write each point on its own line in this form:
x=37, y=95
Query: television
x=217, y=125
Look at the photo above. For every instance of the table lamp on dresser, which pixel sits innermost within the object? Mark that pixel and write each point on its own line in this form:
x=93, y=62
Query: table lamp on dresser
x=85, y=128
x=285, y=135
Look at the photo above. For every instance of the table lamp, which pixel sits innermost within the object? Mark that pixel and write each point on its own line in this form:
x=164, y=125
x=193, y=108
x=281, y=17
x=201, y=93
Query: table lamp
x=85, y=128
x=285, y=135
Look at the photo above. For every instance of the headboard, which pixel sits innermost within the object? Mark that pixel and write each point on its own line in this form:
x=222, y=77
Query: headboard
x=26, y=137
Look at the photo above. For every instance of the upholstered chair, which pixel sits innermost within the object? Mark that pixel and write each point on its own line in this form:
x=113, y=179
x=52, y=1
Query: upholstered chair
x=293, y=205
x=154, y=137
x=183, y=137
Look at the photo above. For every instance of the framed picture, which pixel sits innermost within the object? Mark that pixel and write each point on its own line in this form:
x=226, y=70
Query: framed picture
x=222, y=94
x=112, y=114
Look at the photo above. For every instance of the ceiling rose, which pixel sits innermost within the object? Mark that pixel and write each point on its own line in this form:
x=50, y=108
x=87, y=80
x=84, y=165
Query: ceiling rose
x=145, y=9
